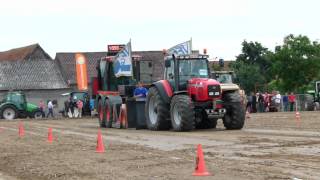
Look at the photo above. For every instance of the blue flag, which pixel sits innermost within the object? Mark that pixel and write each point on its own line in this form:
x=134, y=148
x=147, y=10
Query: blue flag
x=122, y=65
x=181, y=49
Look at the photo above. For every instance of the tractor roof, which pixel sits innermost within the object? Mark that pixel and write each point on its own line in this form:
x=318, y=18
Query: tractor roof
x=190, y=56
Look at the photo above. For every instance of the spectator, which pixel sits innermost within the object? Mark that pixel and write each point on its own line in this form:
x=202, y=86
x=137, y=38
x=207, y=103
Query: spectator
x=249, y=103
x=50, y=109
x=66, y=107
x=285, y=102
x=261, y=102
x=254, y=103
x=75, y=107
x=292, y=100
x=140, y=92
x=266, y=101
x=91, y=104
x=71, y=108
x=278, y=100
x=243, y=98
x=42, y=107
x=80, y=106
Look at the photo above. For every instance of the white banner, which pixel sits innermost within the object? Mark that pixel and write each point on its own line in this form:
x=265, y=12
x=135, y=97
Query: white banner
x=181, y=49
x=122, y=65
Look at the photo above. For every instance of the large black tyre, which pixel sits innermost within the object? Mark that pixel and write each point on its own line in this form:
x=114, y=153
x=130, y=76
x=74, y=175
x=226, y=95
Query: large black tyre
x=156, y=111
x=107, y=115
x=37, y=114
x=182, y=113
x=235, y=115
x=206, y=123
x=8, y=112
x=101, y=119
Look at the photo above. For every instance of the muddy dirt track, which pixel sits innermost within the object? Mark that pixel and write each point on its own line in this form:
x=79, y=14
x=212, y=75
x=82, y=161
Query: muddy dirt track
x=271, y=146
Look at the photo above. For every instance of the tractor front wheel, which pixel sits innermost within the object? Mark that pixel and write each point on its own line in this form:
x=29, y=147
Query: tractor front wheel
x=182, y=113
x=235, y=116
x=156, y=111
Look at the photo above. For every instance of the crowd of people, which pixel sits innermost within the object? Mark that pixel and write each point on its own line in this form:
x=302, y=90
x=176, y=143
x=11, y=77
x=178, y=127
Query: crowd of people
x=270, y=102
x=73, y=108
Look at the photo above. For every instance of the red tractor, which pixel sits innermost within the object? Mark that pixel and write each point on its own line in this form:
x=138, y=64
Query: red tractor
x=187, y=98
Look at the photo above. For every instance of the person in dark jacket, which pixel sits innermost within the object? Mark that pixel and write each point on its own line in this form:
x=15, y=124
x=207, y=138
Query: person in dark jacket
x=254, y=103
x=71, y=108
x=285, y=102
x=261, y=102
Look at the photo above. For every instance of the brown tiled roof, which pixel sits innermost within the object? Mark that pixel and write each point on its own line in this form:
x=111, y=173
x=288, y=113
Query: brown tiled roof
x=35, y=74
x=67, y=61
x=23, y=53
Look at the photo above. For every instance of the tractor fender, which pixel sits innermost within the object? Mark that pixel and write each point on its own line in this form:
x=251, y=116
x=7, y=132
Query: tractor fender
x=180, y=92
x=165, y=90
x=7, y=103
x=113, y=100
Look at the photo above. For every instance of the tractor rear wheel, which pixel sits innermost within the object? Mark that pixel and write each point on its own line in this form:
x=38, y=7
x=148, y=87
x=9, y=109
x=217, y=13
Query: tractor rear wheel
x=37, y=114
x=9, y=112
x=182, y=113
x=156, y=111
x=102, y=121
x=107, y=116
x=235, y=115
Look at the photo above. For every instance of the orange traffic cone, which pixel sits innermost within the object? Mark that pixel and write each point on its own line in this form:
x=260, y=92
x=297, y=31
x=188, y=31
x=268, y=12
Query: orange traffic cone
x=21, y=129
x=200, y=169
x=100, y=146
x=50, y=137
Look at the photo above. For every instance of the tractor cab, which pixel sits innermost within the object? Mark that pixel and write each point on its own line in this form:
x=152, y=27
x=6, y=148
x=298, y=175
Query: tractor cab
x=190, y=73
x=187, y=67
x=17, y=98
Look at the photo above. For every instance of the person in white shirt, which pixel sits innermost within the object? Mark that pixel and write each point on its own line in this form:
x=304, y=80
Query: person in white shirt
x=50, y=109
x=278, y=101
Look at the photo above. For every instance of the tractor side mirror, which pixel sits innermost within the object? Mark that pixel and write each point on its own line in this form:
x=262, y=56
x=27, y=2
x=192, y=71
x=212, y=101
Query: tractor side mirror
x=167, y=63
x=171, y=76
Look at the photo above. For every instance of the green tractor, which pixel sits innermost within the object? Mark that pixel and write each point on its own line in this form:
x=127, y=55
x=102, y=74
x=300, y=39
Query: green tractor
x=313, y=97
x=14, y=105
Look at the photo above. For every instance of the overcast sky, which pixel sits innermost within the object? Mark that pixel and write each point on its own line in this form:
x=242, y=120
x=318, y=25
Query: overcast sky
x=218, y=25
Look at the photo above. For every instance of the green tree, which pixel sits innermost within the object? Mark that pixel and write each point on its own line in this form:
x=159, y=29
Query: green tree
x=248, y=75
x=253, y=66
x=296, y=63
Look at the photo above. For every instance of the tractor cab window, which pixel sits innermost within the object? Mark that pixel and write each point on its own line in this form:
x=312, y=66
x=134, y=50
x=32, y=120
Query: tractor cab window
x=17, y=98
x=224, y=78
x=169, y=71
x=193, y=69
